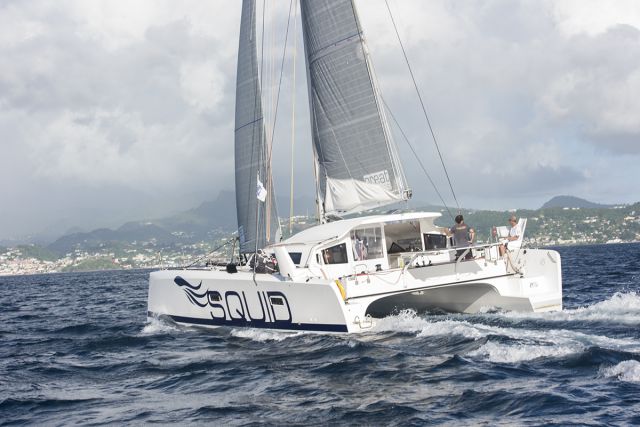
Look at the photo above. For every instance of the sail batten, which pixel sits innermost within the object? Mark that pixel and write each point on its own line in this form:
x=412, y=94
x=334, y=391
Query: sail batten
x=257, y=216
x=358, y=167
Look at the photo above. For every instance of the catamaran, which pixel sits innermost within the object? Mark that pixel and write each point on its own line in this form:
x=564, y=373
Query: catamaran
x=342, y=274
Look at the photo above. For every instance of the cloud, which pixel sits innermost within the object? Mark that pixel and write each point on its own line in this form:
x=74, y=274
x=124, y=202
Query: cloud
x=596, y=90
x=107, y=97
x=132, y=104
x=533, y=84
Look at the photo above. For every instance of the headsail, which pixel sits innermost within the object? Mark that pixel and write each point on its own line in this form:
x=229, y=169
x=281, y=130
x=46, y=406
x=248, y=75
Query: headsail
x=357, y=163
x=251, y=151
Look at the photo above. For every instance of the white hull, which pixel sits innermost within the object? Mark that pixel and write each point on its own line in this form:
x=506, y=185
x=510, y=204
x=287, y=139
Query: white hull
x=215, y=298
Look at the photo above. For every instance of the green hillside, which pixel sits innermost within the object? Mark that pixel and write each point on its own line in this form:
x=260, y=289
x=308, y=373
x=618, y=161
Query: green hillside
x=561, y=225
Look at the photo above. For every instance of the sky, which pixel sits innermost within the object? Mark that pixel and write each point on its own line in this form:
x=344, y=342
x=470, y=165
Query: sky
x=113, y=111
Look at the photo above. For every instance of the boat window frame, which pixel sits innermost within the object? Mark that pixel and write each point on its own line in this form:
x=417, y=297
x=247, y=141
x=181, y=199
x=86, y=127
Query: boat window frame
x=382, y=243
x=324, y=252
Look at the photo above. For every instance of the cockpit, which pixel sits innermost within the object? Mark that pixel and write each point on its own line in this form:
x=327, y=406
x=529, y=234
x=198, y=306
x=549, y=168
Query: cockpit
x=370, y=244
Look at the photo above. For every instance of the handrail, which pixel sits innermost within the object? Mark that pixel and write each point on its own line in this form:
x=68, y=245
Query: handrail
x=466, y=248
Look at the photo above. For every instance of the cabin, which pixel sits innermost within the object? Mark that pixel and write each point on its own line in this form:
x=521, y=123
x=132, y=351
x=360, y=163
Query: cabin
x=369, y=244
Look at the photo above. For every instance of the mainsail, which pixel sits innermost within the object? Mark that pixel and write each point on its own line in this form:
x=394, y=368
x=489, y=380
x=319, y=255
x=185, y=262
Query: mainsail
x=356, y=159
x=256, y=219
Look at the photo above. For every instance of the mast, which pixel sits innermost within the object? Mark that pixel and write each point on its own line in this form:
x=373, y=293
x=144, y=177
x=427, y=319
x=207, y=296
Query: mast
x=257, y=221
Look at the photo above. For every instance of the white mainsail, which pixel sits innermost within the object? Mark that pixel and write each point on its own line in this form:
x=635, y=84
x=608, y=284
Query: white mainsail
x=256, y=220
x=357, y=163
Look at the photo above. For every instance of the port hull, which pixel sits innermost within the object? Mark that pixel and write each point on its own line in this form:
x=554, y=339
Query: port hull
x=214, y=298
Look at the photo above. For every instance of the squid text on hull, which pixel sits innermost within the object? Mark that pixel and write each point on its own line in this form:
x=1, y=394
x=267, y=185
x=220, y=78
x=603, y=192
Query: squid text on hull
x=238, y=308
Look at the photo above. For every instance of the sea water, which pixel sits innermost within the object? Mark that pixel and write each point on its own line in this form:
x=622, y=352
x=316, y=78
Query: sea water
x=77, y=349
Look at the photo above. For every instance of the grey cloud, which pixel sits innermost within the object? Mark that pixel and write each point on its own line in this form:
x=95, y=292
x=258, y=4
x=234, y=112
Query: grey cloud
x=597, y=90
x=616, y=142
x=76, y=114
x=507, y=83
x=87, y=123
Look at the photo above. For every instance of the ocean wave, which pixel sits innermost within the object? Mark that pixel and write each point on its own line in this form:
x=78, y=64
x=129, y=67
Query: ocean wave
x=516, y=353
x=621, y=308
x=408, y=321
x=628, y=371
x=487, y=368
x=504, y=344
x=156, y=326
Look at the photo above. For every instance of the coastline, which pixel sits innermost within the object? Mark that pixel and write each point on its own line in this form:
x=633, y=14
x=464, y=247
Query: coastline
x=166, y=265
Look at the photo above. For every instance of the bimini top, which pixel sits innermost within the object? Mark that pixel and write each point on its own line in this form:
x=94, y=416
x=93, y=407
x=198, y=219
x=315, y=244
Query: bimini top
x=337, y=229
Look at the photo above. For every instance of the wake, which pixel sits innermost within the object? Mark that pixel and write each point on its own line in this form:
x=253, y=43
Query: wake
x=513, y=344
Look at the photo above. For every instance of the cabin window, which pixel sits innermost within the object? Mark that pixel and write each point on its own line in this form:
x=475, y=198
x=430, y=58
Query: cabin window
x=335, y=254
x=409, y=244
x=434, y=241
x=367, y=243
x=296, y=257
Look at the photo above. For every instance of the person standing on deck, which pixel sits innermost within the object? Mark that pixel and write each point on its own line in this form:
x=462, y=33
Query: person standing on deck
x=463, y=235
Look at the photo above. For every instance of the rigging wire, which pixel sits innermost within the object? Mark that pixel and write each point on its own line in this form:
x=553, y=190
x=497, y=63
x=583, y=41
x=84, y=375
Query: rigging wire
x=211, y=252
x=261, y=79
x=270, y=76
x=277, y=103
x=393, y=117
x=275, y=113
x=424, y=110
x=271, y=129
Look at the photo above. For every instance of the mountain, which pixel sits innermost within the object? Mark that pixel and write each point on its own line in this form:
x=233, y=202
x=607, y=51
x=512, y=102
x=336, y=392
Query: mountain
x=573, y=202
x=131, y=232
x=208, y=221
x=210, y=215
x=190, y=226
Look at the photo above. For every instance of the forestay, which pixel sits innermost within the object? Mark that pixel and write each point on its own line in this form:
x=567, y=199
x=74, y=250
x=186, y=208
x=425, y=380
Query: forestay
x=251, y=150
x=357, y=163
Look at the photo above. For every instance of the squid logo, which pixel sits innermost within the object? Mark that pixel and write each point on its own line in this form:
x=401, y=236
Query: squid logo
x=265, y=309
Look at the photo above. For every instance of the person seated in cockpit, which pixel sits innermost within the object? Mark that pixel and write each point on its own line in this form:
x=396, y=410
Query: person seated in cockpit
x=514, y=234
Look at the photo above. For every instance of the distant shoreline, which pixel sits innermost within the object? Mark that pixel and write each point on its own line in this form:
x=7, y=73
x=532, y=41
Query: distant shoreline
x=586, y=244
x=164, y=268
x=77, y=272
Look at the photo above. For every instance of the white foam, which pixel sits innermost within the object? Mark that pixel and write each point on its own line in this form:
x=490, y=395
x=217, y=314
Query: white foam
x=521, y=345
x=621, y=308
x=155, y=326
x=628, y=370
x=515, y=353
x=262, y=335
x=405, y=321
x=352, y=343
x=451, y=327
x=408, y=321
x=533, y=344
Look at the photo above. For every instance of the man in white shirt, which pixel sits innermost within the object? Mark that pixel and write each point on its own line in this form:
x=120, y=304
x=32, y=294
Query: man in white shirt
x=514, y=234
